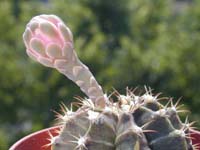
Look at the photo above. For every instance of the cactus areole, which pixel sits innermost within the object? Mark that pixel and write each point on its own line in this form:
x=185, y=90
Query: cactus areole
x=133, y=122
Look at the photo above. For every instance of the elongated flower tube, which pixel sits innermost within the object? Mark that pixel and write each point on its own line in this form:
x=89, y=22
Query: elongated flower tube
x=50, y=42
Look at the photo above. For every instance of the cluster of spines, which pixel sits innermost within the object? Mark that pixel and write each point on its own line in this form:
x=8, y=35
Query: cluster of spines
x=137, y=121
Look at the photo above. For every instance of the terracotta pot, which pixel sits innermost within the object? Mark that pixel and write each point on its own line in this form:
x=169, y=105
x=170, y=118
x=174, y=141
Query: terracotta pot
x=37, y=140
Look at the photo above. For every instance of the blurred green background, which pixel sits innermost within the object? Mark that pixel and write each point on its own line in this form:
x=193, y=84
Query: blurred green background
x=124, y=42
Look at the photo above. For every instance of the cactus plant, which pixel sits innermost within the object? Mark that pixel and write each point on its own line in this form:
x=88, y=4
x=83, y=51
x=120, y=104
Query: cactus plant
x=133, y=122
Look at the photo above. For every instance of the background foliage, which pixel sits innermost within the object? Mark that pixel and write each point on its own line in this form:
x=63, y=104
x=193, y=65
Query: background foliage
x=124, y=43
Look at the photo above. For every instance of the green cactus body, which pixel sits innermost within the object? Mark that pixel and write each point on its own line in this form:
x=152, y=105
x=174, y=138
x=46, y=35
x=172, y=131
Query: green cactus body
x=131, y=123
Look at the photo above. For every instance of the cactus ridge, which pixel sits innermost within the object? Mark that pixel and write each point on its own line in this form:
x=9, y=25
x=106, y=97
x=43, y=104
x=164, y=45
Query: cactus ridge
x=131, y=123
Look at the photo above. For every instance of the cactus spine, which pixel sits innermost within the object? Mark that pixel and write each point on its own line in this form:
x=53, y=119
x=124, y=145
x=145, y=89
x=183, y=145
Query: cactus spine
x=134, y=122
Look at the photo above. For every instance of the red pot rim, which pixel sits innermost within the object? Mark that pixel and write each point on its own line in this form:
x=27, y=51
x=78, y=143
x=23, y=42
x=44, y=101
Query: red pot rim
x=31, y=141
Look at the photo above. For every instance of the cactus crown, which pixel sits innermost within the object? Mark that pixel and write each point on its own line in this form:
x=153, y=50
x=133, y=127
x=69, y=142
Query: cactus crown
x=134, y=122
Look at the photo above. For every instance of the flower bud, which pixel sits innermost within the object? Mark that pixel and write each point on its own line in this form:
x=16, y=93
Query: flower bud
x=47, y=40
x=50, y=42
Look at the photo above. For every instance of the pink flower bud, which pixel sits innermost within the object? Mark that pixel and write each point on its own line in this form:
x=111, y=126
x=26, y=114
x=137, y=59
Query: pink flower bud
x=48, y=40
